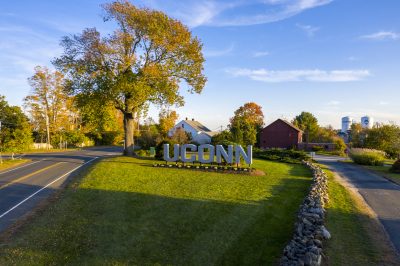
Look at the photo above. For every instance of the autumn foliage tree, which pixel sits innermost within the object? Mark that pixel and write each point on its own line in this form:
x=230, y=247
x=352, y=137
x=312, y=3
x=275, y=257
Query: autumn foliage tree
x=167, y=120
x=246, y=124
x=143, y=61
x=47, y=104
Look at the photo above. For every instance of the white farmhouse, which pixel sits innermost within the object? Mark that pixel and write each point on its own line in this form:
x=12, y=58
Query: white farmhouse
x=200, y=133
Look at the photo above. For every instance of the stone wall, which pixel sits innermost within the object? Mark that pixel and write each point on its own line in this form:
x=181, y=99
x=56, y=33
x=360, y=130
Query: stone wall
x=305, y=248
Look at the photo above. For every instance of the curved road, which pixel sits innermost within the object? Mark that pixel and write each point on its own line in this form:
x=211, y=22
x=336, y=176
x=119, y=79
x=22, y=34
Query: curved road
x=23, y=187
x=382, y=195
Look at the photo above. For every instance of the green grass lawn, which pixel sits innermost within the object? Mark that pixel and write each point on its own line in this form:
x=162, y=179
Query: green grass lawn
x=355, y=238
x=11, y=163
x=123, y=211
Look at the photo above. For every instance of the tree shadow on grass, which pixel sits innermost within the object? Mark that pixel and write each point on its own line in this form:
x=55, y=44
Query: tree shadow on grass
x=91, y=226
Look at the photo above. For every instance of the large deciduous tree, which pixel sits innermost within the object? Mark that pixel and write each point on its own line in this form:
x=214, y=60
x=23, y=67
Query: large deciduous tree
x=246, y=123
x=309, y=124
x=143, y=61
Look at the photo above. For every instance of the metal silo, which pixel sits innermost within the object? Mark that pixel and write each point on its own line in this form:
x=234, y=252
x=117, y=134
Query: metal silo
x=346, y=123
x=367, y=122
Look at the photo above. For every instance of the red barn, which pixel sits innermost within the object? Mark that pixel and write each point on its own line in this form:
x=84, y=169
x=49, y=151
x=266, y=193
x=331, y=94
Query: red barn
x=280, y=134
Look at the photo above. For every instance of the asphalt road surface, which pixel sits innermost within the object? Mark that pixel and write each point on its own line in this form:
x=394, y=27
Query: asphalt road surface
x=382, y=195
x=23, y=187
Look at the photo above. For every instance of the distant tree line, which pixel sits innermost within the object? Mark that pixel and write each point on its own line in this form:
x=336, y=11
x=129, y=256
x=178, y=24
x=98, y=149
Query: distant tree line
x=384, y=137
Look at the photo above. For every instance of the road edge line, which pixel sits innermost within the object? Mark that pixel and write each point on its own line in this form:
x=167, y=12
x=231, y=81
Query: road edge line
x=49, y=184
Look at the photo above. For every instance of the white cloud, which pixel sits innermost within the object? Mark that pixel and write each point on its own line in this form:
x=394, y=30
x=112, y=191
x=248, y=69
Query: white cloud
x=260, y=54
x=315, y=75
x=202, y=12
x=382, y=35
x=352, y=58
x=383, y=103
x=236, y=12
x=308, y=29
x=334, y=103
x=217, y=53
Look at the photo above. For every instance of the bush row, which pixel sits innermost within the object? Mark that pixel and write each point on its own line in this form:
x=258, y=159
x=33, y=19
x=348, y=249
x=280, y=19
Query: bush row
x=282, y=155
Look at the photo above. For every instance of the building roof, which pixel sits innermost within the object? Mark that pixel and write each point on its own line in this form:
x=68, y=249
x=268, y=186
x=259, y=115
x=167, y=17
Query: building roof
x=211, y=133
x=287, y=123
x=198, y=126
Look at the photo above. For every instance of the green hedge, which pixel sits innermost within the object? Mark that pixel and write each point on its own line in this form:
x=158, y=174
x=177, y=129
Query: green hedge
x=282, y=155
x=367, y=156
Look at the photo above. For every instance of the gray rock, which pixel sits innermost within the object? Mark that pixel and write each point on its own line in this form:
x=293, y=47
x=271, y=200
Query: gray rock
x=318, y=243
x=325, y=233
x=308, y=259
x=300, y=262
x=305, y=248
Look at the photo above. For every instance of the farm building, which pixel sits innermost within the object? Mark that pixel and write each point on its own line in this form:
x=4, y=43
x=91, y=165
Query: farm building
x=200, y=133
x=280, y=134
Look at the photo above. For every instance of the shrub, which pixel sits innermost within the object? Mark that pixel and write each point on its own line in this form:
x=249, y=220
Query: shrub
x=160, y=148
x=340, y=146
x=367, y=156
x=143, y=153
x=396, y=167
x=288, y=156
x=107, y=137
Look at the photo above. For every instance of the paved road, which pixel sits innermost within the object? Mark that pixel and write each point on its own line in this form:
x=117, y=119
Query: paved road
x=24, y=187
x=381, y=195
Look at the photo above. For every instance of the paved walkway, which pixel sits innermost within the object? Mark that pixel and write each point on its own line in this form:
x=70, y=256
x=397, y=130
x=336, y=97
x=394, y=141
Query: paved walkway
x=381, y=195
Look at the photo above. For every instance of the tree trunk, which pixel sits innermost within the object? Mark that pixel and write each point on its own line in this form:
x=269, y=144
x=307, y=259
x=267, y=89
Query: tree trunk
x=47, y=130
x=307, y=139
x=129, y=127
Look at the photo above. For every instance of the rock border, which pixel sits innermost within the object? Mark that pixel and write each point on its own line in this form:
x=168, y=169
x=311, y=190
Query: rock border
x=305, y=247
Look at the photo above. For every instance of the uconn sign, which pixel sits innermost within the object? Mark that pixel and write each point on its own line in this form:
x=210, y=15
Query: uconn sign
x=207, y=153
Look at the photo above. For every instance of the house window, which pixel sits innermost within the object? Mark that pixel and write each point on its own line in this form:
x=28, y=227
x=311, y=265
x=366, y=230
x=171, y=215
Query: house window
x=183, y=126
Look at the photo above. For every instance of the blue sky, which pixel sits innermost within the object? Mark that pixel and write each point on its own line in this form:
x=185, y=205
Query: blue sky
x=330, y=57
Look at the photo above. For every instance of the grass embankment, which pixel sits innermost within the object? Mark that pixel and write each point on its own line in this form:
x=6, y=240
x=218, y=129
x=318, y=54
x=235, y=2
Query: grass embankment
x=356, y=235
x=42, y=151
x=385, y=172
x=12, y=163
x=123, y=211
